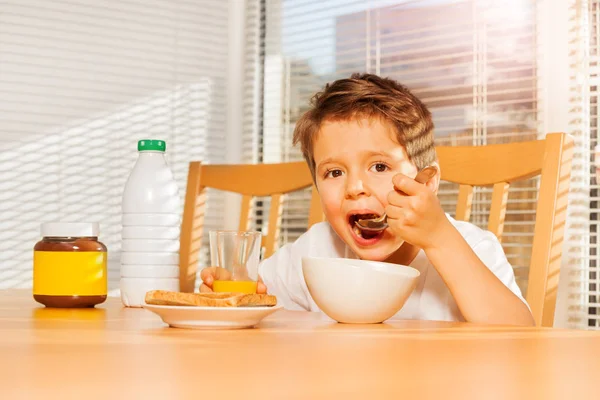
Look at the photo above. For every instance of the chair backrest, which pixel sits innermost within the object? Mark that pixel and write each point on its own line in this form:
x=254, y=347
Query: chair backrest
x=503, y=164
x=251, y=180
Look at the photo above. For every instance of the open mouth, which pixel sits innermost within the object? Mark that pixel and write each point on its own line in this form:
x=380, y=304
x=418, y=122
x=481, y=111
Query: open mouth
x=360, y=232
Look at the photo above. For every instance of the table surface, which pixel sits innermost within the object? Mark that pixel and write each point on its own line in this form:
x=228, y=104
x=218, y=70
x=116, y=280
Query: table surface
x=117, y=352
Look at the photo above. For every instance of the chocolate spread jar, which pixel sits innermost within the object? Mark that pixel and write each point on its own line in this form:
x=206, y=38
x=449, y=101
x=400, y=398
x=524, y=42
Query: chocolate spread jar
x=69, y=266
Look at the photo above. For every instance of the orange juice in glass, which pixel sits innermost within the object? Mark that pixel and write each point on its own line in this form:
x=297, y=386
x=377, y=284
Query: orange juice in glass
x=238, y=253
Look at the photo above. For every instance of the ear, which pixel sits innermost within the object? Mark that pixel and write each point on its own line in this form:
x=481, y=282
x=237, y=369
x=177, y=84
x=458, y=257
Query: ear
x=434, y=183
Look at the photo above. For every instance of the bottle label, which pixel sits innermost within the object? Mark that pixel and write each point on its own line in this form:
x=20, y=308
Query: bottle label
x=59, y=273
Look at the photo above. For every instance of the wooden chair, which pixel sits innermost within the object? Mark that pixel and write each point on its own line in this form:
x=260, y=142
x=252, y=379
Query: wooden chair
x=499, y=166
x=250, y=181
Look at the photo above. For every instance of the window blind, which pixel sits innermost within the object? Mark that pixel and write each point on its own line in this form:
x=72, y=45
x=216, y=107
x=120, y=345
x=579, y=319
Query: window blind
x=591, y=278
x=80, y=83
x=473, y=62
x=583, y=291
x=253, y=105
x=254, y=58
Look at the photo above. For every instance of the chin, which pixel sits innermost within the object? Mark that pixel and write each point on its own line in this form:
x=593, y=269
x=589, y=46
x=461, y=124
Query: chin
x=371, y=255
x=377, y=253
x=374, y=250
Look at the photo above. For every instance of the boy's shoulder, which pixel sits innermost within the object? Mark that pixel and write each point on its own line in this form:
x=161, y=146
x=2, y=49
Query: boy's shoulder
x=471, y=232
x=485, y=244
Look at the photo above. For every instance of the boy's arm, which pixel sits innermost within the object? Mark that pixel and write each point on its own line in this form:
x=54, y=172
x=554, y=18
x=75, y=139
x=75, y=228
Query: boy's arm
x=480, y=295
x=414, y=213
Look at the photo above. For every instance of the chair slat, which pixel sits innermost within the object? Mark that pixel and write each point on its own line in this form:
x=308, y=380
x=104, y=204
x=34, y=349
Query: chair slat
x=258, y=179
x=490, y=164
x=191, y=229
x=245, y=213
x=550, y=223
x=464, y=203
x=498, y=209
x=316, y=212
x=274, y=222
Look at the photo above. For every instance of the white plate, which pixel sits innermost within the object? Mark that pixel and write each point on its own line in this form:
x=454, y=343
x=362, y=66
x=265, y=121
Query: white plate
x=211, y=317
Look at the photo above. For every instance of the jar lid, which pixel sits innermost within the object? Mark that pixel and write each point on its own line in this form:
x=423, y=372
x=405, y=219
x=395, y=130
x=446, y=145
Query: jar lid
x=70, y=229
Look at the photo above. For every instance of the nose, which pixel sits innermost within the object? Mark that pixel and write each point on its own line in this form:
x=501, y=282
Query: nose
x=355, y=187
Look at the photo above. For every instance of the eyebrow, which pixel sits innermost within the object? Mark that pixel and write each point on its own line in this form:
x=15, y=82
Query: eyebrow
x=325, y=161
x=369, y=154
x=378, y=153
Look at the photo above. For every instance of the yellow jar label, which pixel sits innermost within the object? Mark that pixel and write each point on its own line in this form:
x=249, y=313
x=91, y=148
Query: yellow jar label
x=59, y=273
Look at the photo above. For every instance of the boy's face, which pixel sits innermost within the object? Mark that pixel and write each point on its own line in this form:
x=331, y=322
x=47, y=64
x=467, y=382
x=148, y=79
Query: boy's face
x=355, y=161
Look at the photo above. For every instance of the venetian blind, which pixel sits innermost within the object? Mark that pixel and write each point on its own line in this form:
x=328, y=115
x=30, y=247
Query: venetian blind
x=591, y=277
x=80, y=82
x=584, y=269
x=253, y=104
x=473, y=62
x=254, y=56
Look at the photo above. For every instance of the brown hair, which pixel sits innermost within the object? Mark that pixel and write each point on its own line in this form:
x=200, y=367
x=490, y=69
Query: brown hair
x=367, y=95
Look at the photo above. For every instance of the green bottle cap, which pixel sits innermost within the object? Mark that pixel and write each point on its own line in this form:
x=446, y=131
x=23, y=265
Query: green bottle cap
x=152, y=145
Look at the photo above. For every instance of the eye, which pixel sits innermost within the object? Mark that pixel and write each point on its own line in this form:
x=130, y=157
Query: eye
x=333, y=173
x=379, y=167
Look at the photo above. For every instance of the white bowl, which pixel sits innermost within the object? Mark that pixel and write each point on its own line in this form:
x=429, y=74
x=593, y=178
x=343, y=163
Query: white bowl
x=358, y=291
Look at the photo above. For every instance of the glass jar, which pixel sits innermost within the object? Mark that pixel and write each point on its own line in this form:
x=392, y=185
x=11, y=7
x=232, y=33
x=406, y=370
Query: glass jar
x=69, y=266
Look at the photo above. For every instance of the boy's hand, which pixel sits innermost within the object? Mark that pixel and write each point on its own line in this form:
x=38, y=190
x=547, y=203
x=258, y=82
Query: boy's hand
x=210, y=274
x=415, y=214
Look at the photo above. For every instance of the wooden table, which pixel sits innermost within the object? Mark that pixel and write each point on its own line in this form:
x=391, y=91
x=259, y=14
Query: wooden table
x=114, y=352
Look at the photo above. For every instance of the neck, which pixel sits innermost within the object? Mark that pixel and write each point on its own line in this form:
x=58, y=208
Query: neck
x=404, y=255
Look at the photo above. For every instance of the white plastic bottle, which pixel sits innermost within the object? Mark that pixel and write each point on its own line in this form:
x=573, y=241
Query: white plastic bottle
x=151, y=226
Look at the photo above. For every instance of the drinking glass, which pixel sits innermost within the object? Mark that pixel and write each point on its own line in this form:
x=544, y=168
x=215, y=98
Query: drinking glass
x=238, y=253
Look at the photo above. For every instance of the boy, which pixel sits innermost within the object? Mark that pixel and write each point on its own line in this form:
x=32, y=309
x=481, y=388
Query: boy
x=364, y=139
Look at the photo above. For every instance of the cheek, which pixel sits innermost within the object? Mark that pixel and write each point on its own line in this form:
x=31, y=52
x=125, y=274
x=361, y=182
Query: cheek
x=331, y=198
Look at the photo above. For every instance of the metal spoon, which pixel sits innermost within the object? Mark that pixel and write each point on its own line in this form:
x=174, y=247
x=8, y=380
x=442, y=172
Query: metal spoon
x=380, y=223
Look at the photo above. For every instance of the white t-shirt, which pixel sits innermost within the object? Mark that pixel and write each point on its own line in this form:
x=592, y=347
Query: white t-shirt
x=431, y=299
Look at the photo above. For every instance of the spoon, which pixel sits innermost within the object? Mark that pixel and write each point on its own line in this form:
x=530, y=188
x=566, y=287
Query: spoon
x=380, y=223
